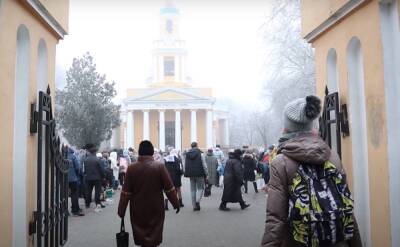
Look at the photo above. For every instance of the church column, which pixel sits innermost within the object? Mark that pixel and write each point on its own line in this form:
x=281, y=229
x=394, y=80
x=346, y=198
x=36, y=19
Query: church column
x=146, y=125
x=129, y=129
x=209, y=128
x=193, y=126
x=162, y=130
x=178, y=129
x=226, y=134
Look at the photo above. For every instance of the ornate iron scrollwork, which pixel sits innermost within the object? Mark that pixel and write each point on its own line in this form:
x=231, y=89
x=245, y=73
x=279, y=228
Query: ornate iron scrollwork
x=333, y=114
x=50, y=221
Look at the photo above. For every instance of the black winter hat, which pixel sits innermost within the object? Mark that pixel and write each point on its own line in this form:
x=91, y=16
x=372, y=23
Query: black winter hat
x=237, y=153
x=146, y=148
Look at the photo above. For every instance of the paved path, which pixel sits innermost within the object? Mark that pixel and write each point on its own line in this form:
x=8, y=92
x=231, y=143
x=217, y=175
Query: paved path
x=207, y=228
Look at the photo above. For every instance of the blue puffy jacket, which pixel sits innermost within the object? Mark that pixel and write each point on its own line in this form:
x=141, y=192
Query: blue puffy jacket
x=74, y=168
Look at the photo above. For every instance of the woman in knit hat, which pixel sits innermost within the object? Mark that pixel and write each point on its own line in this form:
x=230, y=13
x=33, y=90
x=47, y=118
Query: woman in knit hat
x=299, y=145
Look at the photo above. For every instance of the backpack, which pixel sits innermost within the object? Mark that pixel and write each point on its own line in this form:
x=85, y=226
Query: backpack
x=260, y=168
x=320, y=206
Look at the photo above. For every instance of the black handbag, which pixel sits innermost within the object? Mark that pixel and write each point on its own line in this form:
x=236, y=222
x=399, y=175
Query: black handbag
x=122, y=236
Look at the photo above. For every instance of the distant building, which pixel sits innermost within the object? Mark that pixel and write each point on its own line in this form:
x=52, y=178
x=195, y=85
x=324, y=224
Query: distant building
x=29, y=33
x=170, y=111
x=357, y=46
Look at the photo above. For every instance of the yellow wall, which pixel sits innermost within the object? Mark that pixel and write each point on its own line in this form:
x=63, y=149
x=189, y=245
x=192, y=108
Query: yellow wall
x=12, y=15
x=154, y=133
x=364, y=24
x=138, y=125
x=185, y=117
x=201, y=130
x=58, y=9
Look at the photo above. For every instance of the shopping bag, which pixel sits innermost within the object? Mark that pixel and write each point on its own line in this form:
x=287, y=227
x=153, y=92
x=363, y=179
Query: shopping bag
x=207, y=191
x=122, y=236
x=260, y=183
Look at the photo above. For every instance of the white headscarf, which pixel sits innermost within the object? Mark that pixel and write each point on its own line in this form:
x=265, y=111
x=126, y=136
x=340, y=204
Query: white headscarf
x=171, y=157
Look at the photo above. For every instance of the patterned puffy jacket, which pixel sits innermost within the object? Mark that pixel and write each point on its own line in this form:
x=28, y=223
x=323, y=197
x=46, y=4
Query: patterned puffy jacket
x=305, y=148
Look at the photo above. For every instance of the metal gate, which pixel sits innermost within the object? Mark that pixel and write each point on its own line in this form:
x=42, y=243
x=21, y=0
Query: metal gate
x=50, y=220
x=332, y=114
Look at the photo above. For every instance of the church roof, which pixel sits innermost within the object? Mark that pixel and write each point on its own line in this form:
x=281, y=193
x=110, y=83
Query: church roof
x=169, y=94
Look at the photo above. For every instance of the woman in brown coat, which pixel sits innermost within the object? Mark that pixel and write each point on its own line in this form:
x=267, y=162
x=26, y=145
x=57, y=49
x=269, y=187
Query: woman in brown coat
x=299, y=145
x=144, y=184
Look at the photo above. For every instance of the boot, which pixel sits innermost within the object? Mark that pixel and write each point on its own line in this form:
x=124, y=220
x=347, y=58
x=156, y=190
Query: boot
x=245, y=187
x=197, y=207
x=181, y=203
x=243, y=205
x=223, y=207
x=166, y=204
x=255, y=187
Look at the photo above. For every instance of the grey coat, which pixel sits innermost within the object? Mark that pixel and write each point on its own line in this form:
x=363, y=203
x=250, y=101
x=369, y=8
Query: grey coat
x=212, y=164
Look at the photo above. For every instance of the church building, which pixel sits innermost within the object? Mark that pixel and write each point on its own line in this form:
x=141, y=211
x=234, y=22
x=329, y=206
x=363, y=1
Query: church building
x=170, y=111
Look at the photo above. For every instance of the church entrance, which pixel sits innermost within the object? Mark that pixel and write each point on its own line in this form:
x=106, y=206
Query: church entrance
x=170, y=134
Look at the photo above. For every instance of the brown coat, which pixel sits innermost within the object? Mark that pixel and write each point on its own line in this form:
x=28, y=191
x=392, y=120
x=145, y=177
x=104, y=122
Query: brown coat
x=305, y=148
x=144, y=184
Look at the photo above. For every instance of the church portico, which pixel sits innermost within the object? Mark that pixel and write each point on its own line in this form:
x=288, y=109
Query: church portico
x=170, y=112
x=170, y=127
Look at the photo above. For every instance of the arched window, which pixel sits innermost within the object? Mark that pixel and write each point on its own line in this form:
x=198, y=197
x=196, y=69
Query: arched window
x=333, y=86
x=332, y=71
x=42, y=63
x=21, y=111
x=358, y=130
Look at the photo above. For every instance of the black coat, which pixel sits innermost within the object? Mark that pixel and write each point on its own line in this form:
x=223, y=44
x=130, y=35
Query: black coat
x=249, y=166
x=233, y=180
x=93, y=168
x=194, y=164
x=175, y=171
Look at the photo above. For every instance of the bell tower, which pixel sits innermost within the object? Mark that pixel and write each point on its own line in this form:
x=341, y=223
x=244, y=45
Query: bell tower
x=169, y=53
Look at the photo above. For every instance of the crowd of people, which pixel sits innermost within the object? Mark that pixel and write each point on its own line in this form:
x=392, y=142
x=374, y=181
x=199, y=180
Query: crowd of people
x=102, y=172
x=309, y=203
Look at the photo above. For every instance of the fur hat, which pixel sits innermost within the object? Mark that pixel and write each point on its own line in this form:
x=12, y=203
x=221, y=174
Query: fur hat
x=300, y=114
x=146, y=148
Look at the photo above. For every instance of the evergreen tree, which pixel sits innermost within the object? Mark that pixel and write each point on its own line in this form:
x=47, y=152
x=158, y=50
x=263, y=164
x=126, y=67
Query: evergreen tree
x=85, y=110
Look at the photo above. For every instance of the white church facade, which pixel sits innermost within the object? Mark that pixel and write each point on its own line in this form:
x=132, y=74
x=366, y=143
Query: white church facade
x=170, y=111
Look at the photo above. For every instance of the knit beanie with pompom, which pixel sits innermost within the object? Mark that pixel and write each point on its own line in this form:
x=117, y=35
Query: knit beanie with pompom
x=300, y=114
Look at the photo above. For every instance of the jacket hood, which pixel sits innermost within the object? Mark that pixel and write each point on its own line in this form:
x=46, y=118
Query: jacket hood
x=193, y=153
x=307, y=149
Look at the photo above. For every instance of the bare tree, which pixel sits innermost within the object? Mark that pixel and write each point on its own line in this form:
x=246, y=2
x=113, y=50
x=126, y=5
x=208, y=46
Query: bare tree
x=290, y=68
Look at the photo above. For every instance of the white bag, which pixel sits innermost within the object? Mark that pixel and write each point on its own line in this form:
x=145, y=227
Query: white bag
x=260, y=183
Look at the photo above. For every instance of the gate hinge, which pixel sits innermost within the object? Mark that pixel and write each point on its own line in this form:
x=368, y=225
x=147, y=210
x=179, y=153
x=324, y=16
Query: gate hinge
x=34, y=119
x=32, y=224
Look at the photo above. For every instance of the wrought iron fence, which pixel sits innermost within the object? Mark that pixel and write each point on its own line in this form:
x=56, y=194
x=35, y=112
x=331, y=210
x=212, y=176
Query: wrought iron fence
x=50, y=220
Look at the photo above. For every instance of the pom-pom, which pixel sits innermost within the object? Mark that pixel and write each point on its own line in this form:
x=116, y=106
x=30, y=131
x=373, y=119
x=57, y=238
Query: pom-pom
x=313, y=107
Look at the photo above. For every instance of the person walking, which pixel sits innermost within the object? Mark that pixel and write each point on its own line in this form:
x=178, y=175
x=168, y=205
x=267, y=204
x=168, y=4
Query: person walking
x=307, y=180
x=115, y=169
x=174, y=167
x=219, y=154
x=143, y=190
x=73, y=179
x=196, y=170
x=249, y=165
x=233, y=181
x=94, y=173
x=212, y=164
x=123, y=167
